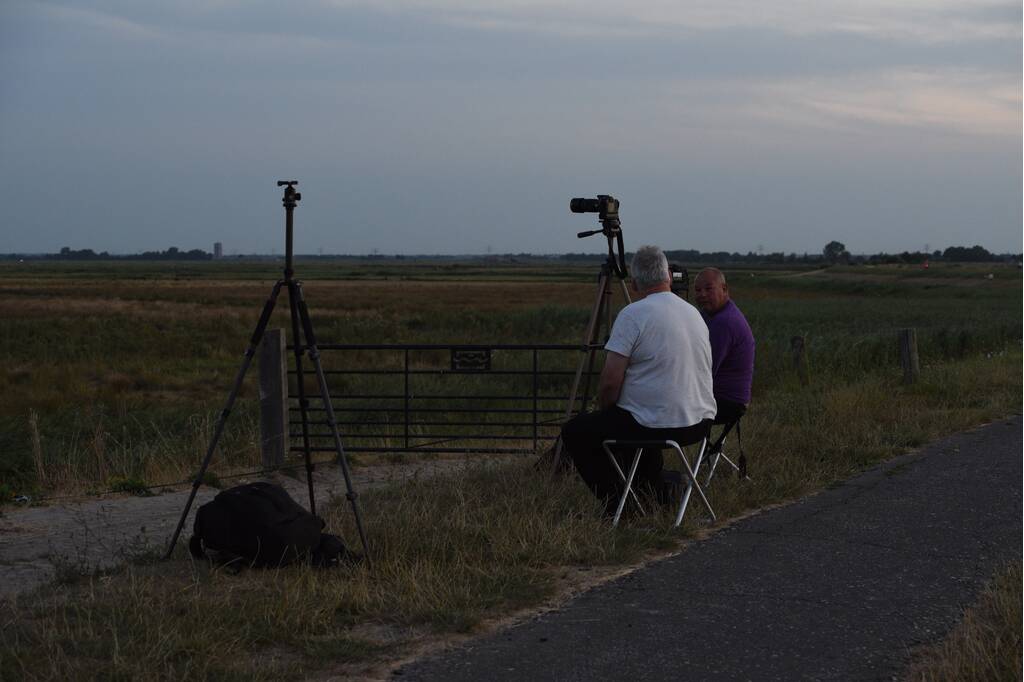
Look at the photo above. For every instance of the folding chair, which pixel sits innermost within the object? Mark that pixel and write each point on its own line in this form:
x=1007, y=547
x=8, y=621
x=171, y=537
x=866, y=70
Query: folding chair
x=641, y=446
x=716, y=454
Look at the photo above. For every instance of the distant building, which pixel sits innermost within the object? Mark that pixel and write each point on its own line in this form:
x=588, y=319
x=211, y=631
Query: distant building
x=218, y=250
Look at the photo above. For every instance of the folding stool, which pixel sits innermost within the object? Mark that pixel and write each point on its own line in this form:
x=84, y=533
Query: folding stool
x=688, y=471
x=715, y=453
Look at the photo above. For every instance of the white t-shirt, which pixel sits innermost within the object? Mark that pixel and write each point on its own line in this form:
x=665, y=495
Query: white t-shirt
x=668, y=380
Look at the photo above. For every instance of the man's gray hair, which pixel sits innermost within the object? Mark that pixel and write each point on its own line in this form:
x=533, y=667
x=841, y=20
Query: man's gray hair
x=649, y=267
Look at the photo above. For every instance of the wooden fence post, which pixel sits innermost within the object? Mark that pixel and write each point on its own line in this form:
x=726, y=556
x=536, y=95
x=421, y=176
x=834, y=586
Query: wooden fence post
x=799, y=351
x=908, y=356
x=273, y=399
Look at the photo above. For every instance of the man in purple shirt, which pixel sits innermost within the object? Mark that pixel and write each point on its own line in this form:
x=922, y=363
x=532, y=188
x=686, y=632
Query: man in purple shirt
x=732, y=345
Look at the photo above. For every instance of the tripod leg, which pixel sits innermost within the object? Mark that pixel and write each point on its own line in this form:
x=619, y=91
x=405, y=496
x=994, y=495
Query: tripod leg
x=257, y=335
x=604, y=313
x=585, y=396
x=595, y=316
x=300, y=384
x=314, y=356
x=625, y=293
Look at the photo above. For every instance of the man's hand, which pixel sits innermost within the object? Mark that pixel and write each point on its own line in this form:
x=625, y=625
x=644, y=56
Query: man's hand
x=612, y=376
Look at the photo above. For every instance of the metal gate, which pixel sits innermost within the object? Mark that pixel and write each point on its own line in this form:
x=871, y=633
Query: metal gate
x=434, y=398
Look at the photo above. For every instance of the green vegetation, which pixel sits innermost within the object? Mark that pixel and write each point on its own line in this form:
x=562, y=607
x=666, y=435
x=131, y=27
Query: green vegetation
x=108, y=380
x=117, y=369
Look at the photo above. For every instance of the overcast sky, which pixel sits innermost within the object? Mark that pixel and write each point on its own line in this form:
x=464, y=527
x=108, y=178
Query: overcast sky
x=449, y=126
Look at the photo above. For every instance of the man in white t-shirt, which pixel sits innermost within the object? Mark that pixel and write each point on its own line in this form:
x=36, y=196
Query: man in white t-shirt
x=656, y=383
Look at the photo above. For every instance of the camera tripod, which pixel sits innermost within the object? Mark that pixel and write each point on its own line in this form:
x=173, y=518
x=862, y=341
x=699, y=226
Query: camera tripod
x=614, y=267
x=300, y=322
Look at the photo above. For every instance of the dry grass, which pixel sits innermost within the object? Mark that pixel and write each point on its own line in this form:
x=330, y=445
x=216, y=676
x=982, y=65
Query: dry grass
x=182, y=300
x=985, y=645
x=448, y=555
x=123, y=375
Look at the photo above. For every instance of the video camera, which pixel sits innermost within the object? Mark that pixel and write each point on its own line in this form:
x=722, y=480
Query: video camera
x=680, y=280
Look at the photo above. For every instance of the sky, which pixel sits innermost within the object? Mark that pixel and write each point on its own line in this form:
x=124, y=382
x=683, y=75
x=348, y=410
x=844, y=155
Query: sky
x=454, y=127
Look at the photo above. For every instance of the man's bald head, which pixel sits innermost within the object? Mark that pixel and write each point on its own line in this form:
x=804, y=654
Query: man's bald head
x=710, y=290
x=714, y=274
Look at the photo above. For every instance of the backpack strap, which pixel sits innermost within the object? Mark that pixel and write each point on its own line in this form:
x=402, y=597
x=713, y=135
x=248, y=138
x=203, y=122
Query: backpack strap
x=742, y=462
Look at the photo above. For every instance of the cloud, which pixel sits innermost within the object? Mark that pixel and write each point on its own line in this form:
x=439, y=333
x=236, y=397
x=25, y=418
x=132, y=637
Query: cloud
x=187, y=31
x=914, y=21
x=751, y=117
x=954, y=101
x=908, y=20
x=112, y=24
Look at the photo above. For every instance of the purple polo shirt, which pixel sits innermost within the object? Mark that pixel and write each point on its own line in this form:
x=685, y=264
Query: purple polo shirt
x=732, y=353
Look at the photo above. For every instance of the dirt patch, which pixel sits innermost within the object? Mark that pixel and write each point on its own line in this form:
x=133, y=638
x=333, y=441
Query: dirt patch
x=40, y=544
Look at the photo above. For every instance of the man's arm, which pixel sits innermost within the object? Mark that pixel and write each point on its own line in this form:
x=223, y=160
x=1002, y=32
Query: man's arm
x=612, y=376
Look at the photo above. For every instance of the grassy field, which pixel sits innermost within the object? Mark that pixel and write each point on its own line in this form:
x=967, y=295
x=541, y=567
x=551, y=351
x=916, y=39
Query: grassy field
x=114, y=371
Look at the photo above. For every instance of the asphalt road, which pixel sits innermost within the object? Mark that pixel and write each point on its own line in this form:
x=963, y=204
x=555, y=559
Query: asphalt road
x=838, y=586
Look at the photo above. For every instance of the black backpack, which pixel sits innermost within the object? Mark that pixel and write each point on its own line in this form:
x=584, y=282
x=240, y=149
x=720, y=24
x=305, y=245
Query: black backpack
x=259, y=524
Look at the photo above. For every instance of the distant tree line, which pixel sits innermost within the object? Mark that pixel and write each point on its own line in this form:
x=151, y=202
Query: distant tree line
x=67, y=253
x=833, y=253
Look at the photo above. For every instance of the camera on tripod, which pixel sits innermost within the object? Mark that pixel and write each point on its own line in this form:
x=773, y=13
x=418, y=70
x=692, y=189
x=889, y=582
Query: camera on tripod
x=605, y=206
x=680, y=280
x=607, y=209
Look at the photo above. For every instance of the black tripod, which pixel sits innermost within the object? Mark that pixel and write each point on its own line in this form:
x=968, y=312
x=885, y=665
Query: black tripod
x=614, y=266
x=300, y=322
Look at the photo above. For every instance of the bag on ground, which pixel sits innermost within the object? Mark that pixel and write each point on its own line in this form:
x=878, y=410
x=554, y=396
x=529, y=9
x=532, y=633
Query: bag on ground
x=260, y=525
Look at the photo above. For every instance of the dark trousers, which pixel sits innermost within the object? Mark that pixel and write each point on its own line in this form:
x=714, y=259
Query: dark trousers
x=728, y=411
x=583, y=434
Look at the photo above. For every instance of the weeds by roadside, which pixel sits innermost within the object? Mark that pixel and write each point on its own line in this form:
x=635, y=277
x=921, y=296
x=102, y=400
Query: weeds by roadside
x=986, y=645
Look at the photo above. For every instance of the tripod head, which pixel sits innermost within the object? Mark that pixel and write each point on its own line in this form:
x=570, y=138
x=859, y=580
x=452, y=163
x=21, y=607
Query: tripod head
x=291, y=197
x=607, y=209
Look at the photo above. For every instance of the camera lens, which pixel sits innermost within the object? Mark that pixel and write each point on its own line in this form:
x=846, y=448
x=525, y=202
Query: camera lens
x=581, y=205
